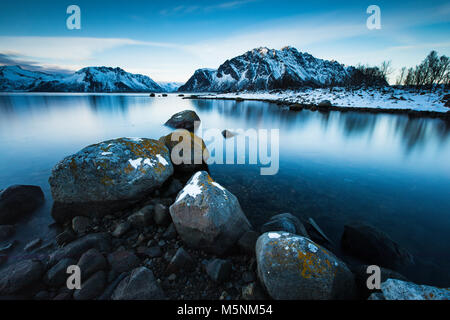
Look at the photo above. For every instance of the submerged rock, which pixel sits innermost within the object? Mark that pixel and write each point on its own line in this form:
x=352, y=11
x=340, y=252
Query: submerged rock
x=108, y=176
x=285, y=222
x=188, y=152
x=394, y=289
x=373, y=246
x=292, y=267
x=139, y=285
x=19, y=200
x=207, y=216
x=184, y=120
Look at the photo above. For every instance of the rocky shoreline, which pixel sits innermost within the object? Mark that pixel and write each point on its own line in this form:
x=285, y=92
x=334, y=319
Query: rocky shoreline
x=141, y=227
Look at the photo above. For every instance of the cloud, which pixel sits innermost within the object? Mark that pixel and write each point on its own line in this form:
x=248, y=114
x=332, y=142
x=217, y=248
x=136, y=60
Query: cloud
x=187, y=9
x=13, y=60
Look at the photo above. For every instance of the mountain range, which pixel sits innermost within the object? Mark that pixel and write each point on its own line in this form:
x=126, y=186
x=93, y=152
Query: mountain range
x=257, y=69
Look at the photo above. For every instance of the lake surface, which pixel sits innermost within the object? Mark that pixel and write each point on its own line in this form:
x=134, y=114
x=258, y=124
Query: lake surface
x=389, y=171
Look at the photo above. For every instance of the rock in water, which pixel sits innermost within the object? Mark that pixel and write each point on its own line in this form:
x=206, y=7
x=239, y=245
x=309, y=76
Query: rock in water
x=394, y=289
x=184, y=120
x=207, y=216
x=18, y=201
x=139, y=285
x=107, y=176
x=374, y=247
x=181, y=142
x=292, y=267
x=20, y=276
x=285, y=222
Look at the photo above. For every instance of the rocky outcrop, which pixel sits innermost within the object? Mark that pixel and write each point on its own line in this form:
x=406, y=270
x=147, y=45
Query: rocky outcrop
x=19, y=200
x=292, y=267
x=394, y=289
x=374, y=247
x=108, y=175
x=186, y=119
x=207, y=216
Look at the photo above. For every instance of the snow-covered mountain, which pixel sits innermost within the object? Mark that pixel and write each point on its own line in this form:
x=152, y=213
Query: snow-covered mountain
x=90, y=79
x=265, y=69
x=170, y=86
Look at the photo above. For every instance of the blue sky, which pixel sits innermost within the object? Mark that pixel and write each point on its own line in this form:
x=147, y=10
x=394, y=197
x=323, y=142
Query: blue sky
x=169, y=40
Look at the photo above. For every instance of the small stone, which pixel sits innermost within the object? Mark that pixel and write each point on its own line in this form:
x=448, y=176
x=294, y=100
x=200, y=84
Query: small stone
x=91, y=262
x=248, y=277
x=65, y=237
x=121, y=229
x=57, y=275
x=247, y=242
x=253, y=292
x=172, y=277
x=123, y=261
x=81, y=224
x=161, y=215
x=139, y=285
x=32, y=245
x=181, y=260
x=19, y=276
x=170, y=233
x=161, y=243
x=92, y=288
x=142, y=218
x=152, y=252
x=219, y=270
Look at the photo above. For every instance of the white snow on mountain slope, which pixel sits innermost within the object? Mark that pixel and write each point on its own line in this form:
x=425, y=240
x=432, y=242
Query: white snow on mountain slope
x=170, y=86
x=386, y=98
x=263, y=69
x=90, y=79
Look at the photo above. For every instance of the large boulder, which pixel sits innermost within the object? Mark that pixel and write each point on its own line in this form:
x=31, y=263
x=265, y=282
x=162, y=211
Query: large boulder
x=292, y=267
x=20, y=276
x=285, y=222
x=184, y=120
x=109, y=175
x=374, y=247
x=139, y=285
x=207, y=216
x=394, y=289
x=19, y=200
x=181, y=141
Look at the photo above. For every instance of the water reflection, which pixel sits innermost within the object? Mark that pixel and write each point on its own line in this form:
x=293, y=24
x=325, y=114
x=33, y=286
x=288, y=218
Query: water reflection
x=389, y=170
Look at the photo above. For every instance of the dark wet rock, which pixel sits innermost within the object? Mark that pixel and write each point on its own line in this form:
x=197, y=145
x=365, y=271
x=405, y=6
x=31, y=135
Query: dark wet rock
x=151, y=252
x=285, y=222
x=121, y=229
x=57, y=275
x=91, y=288
x=292, y=267
x=361, y=277
x=142, y=218
x=18, y=201
x=247, y=242
x=42, y=295
x=207, y=216
x=376, y=296
x=90, y=262
x=219, y=270
x=228, y=134
x=139, y=285
x=6, y=231
x=8, y=247
x=106, y=295
x=20, y=276
x=325, y=104
x=394, y=289
x=184, y=120
x=161, y=215
x=152, y=95
x=108, y=176
x=374, y=247
x=182, y=260
x=123, y=261
x=65, y=237
x=188, y=151
x=81, y=224
x=100, y=241
x=30, y=246
x=63, y=296
x=252, y=292
x=170, y=233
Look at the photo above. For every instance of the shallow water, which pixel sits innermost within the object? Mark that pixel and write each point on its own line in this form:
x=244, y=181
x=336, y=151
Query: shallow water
x=387, y=170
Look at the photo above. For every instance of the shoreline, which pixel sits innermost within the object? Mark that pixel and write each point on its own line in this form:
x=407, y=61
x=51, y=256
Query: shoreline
x=296, y=107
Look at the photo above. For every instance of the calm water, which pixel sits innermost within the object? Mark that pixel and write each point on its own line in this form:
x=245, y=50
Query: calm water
x=387, y=170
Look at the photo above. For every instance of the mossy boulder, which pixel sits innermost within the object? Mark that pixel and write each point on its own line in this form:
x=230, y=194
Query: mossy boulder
x=109, y=175
x=181, y=141
x=292, y=267
x=207, y=216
